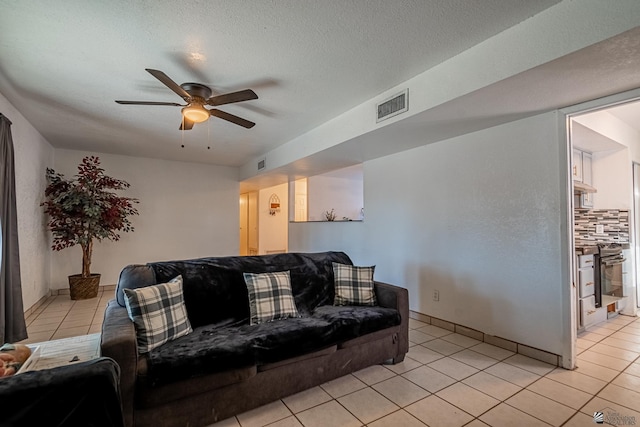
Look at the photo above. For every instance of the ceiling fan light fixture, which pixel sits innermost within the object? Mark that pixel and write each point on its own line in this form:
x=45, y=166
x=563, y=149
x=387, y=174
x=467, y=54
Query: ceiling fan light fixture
x=197, y=95
x=196, y=113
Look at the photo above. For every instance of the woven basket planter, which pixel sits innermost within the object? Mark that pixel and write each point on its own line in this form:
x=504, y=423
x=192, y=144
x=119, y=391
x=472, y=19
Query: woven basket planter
x=84, y=287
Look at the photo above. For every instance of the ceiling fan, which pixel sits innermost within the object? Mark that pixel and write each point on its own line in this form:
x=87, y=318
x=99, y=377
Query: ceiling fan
x=196, y=96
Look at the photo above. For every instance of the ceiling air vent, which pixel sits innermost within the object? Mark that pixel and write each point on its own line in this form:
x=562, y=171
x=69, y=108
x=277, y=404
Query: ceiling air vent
x=393, y=106
x=262, y=163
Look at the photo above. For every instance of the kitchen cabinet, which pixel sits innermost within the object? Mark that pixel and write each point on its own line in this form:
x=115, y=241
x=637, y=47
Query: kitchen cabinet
x=582, y=171
x=587, y=178
x=588, y=311
x=626, y=305
x=626, y=269
x=586, y=290
x=587, y=173
x=587, y=284
x=577, y=165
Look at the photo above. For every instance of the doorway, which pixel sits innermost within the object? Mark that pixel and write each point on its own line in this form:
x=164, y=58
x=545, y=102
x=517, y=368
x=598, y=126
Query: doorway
x=636, y=223
x=605, y=210
x=249, y=223
x=264, y=221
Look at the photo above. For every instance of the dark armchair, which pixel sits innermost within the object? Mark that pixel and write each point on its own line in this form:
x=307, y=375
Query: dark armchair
x=83, y=394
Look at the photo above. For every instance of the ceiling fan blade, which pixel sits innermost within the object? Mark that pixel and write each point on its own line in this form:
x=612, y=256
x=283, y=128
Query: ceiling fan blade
x=231, y=118
x=169, y=83
x=186, y=124
x=174, y=104
x=230, y=98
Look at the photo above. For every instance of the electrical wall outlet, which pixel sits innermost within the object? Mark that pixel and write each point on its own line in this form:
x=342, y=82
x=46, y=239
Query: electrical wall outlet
x=599, y=229
x=436, y=295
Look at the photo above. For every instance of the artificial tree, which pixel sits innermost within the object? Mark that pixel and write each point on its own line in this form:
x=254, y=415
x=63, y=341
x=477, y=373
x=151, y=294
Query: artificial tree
x=84, y=209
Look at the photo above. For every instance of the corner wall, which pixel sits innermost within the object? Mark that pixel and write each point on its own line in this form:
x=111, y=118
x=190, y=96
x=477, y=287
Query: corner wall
x=187, y=210
x=32, y=155
x=480, y=218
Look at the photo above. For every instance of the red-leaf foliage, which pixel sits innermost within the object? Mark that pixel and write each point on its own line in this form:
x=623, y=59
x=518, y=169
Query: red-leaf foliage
x=86, y=208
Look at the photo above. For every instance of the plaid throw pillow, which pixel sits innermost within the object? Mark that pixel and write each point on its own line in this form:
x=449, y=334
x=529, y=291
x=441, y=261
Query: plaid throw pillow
x=158, y=313
x=354, y=285
x=270, y=296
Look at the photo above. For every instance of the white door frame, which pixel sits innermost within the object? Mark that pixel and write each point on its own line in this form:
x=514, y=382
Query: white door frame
x=565, y=115
x=635, y=229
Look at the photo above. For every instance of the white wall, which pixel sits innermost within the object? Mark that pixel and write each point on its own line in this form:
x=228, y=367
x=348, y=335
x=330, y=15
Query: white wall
x=272, y=229
x=32, y=155
x=345, y=195
x=187, y=210
x=347, y=236
x=480, y=218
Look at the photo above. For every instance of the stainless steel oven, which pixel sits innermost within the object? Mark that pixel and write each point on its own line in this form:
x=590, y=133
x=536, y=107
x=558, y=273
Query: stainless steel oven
x=608, y=272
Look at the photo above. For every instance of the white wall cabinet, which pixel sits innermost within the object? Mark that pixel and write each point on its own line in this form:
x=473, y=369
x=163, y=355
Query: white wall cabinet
x=577, y=165
x=582, y=171
x=587, y=178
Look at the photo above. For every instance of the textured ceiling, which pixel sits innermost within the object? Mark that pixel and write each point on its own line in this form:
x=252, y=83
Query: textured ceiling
x=628, y=113
x=64, y=63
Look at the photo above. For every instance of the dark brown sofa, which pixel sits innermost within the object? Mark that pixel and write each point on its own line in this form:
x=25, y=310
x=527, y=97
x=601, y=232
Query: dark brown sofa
x=226, y=366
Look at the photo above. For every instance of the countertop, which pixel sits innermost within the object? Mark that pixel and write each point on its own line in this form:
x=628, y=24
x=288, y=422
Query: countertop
x=590, y=248
x=587, y=250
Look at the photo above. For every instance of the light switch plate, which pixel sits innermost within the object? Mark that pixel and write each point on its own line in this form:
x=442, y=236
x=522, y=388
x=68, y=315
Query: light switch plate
x=599, y=229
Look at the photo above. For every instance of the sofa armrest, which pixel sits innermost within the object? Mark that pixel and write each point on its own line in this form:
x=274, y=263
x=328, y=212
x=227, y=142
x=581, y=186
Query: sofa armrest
x=118, y=341
x=392, y=296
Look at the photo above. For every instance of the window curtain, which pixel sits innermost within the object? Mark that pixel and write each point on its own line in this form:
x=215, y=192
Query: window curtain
x=12, y=323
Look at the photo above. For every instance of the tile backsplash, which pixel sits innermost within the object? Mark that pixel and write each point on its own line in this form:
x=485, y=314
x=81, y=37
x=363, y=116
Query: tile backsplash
x=615, y=224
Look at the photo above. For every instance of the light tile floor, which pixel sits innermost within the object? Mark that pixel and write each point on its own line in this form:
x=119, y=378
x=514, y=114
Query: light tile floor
x=60, y=317
x=445, y=380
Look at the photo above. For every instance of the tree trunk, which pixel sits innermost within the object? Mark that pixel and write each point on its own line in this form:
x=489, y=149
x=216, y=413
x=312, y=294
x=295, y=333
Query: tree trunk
x=87, y=250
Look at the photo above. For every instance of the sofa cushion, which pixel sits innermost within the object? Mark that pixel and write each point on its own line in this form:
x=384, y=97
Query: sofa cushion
x=217, y=348
x=354, y=321
x=270, y=296
x=293, y=337
x=208, y=349
x=353, y=285
x=158, y=313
